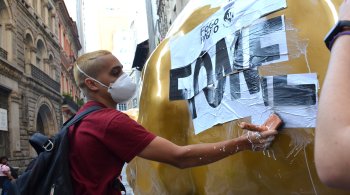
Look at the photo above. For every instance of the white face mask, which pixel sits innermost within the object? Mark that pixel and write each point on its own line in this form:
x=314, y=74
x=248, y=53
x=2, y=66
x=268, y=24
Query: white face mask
x=121, y=90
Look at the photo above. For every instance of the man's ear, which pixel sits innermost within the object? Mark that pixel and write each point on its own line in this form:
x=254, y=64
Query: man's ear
x=90, y=84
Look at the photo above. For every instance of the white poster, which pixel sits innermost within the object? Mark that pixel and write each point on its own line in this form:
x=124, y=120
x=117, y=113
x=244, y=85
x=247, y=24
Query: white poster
x=293, y=97
x=262, y=43
x=215, y=68
x=3, y=120
x=230, y=19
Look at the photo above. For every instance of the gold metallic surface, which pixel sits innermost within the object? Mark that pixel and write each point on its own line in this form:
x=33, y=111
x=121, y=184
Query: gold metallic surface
x=288, y=168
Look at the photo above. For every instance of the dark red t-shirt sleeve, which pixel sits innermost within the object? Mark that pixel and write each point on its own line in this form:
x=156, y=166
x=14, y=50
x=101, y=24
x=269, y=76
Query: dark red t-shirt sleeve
x=126, y=138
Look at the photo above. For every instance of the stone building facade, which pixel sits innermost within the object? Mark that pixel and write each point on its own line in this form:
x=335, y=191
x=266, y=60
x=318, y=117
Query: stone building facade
x=70, y=45
x=30, y=99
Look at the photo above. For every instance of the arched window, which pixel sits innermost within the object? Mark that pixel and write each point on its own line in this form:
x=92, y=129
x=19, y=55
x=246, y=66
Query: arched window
x=52, y=20
x=29, y=55
x=28, y=42
x=67, y=86
x=49, y=20
x=40, y=54
x=52, y=67
x=62, y=83
x=44, y=120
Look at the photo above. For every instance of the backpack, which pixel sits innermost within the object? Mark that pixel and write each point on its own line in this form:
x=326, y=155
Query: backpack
x=49, y=173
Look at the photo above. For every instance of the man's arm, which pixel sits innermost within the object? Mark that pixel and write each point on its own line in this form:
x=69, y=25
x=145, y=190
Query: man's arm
x=332, y=140
x=162, y=150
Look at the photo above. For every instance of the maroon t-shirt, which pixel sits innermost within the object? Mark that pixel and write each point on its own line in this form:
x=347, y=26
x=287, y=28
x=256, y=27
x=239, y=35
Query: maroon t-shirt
x=100, y=144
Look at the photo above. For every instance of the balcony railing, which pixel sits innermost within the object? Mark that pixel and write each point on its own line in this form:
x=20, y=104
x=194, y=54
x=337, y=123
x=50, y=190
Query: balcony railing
x=44, y=78
x=3, y=53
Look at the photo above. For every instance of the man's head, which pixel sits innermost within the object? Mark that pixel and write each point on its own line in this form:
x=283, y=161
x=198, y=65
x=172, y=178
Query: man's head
x=101, y=69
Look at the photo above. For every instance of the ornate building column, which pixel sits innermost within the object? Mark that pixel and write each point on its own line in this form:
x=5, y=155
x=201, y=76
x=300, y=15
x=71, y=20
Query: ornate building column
x=30, y=60
x=14, y=125
x=53, y=72
x=38, y=7
x=33, y=52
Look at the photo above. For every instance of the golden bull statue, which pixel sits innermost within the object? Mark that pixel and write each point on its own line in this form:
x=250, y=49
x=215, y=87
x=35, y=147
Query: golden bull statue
x=287, y=168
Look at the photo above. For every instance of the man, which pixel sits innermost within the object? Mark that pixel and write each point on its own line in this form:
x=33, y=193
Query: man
x=103, y=141
x=332, y=141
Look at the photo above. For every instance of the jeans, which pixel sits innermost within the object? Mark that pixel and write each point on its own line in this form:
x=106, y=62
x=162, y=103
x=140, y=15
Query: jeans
x=5, y=187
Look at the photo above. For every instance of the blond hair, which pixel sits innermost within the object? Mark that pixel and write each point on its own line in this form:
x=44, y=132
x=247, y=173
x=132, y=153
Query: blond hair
x=90, y=64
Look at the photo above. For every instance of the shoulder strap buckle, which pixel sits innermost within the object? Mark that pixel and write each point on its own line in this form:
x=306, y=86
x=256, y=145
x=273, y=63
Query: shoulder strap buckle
x=48, y=146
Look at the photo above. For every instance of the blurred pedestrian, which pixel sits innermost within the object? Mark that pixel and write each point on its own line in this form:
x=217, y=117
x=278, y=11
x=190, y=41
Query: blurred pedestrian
x=7, y=173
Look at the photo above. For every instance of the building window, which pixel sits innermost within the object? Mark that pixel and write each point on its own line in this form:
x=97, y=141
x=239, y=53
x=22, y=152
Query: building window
x=62, y=83
x=134, y=103
x=49, y=20
x=4, y=135
x=66, y=89
x=59, y=34
x=4, y=19
x=51, y=68
x=121, y=107
x=63, y=40
x=40, y=55
x=1, y=33
x=27, y=49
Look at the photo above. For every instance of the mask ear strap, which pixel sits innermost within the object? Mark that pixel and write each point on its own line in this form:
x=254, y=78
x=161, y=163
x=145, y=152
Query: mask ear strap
x=80, y=70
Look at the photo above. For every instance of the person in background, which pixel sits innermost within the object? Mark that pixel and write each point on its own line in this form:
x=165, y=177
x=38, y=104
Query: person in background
x=7, y=173
x=332, y=138
x=113, y=138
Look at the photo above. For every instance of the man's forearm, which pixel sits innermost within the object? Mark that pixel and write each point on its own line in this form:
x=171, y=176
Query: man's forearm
x=334, y=109
x=202, y=154
x=333, y=122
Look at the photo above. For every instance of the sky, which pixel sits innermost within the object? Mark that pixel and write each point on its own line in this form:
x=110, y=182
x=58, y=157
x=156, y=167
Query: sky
x=127, y=11
x=130, y=9
x=71, y=8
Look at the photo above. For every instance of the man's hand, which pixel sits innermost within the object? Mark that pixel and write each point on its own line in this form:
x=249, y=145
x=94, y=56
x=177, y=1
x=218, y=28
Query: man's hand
x=255, y=138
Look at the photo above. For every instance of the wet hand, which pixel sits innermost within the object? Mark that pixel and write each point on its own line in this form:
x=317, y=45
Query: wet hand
x=255, y=138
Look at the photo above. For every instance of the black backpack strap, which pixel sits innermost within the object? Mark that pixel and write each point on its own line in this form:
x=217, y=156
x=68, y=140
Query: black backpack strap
x=81, y=116
x=42, y=142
